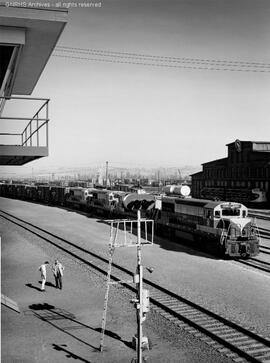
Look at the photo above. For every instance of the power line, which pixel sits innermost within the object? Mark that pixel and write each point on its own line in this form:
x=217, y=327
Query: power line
x=218, y=63
x=146, y=56
x=166, y=65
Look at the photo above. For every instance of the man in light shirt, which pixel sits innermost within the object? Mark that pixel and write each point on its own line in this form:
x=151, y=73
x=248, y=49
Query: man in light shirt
x=43, y=273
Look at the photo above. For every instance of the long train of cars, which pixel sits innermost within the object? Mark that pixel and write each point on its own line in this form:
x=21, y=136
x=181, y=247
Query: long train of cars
x=225, y=225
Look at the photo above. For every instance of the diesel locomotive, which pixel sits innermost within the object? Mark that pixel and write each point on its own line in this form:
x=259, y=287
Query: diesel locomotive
x=224, y=225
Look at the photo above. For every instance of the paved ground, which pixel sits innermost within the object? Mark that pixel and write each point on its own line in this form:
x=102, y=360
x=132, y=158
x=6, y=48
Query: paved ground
x=63, y=326
x=239, y=293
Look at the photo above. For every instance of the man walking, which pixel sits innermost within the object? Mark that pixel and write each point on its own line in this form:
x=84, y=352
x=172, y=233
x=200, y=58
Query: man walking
x=43, y=273
x=58, y=271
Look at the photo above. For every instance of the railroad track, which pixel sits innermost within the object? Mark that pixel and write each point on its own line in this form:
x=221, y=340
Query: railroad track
x=231, y=339
x=255, y=263
x=265, y=249
x=260, y=216
x=264, y=232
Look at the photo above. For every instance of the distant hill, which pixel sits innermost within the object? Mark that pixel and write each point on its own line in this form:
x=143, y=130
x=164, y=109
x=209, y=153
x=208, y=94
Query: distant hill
x=82, y=172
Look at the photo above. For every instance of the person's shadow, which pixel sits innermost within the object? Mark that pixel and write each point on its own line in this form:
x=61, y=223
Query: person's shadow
x=48, y=283
x=29, y=284
x=33, y=287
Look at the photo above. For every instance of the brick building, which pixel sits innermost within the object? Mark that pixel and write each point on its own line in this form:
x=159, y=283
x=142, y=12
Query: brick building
x=244, y=175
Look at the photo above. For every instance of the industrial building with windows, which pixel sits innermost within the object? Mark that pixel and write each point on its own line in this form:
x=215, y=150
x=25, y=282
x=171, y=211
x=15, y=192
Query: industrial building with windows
x=243, y=176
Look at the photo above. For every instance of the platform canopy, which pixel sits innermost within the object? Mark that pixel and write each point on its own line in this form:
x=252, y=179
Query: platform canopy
x=28, y=36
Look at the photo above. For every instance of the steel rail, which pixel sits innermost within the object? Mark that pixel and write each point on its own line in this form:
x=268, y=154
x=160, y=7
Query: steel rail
x=265, y=247
x=264, y=233
x=257, y=264
x=260, y=216
x=240, y=340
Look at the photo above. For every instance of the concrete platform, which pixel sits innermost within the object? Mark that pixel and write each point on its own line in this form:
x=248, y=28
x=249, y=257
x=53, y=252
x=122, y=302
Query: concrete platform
x=64, y=325
x=38, y=335
x=56, y=325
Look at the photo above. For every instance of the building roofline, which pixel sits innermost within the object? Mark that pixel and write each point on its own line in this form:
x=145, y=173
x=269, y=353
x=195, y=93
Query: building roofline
x=198, y=172
x=253, y=142
x=214, y=161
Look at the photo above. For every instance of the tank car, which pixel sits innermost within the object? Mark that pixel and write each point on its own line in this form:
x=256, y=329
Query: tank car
x=182, y=190
x=225, y=225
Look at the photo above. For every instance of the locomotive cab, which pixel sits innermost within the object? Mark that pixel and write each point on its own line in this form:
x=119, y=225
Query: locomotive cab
x=237, y=233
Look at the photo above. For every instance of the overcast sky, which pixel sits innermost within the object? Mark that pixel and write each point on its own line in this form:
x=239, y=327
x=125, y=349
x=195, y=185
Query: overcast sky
x=151, y=115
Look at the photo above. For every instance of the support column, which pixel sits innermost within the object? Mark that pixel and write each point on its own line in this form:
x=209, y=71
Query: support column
x=139, y=290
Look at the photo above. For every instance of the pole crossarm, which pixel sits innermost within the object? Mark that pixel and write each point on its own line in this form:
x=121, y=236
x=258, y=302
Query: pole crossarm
x=122, y=233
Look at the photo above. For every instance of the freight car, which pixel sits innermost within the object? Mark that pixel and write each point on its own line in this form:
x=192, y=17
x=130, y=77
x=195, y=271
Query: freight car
x=58, y=195
x=43, y=193
x=222, y=225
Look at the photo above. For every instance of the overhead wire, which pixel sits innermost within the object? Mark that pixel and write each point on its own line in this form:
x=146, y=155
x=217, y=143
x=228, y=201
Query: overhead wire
x=138, y=55
x=209, y=68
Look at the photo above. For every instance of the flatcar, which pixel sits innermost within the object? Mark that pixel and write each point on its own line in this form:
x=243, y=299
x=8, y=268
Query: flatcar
x=225, y=225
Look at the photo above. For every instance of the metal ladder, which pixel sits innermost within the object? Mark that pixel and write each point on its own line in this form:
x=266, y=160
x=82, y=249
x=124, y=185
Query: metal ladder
x=113, y=237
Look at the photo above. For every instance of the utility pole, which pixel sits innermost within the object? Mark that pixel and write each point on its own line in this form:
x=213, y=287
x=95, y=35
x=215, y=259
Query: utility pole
x=141, y=302
x=106, y=174
x=139, y=290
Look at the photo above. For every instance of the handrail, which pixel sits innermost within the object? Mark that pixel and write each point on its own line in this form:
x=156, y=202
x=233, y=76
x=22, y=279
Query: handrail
x=22, y=119
x=31, y=129
x=7, y=133
x=33, y=132
x=25, y=98
x=36, y=114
